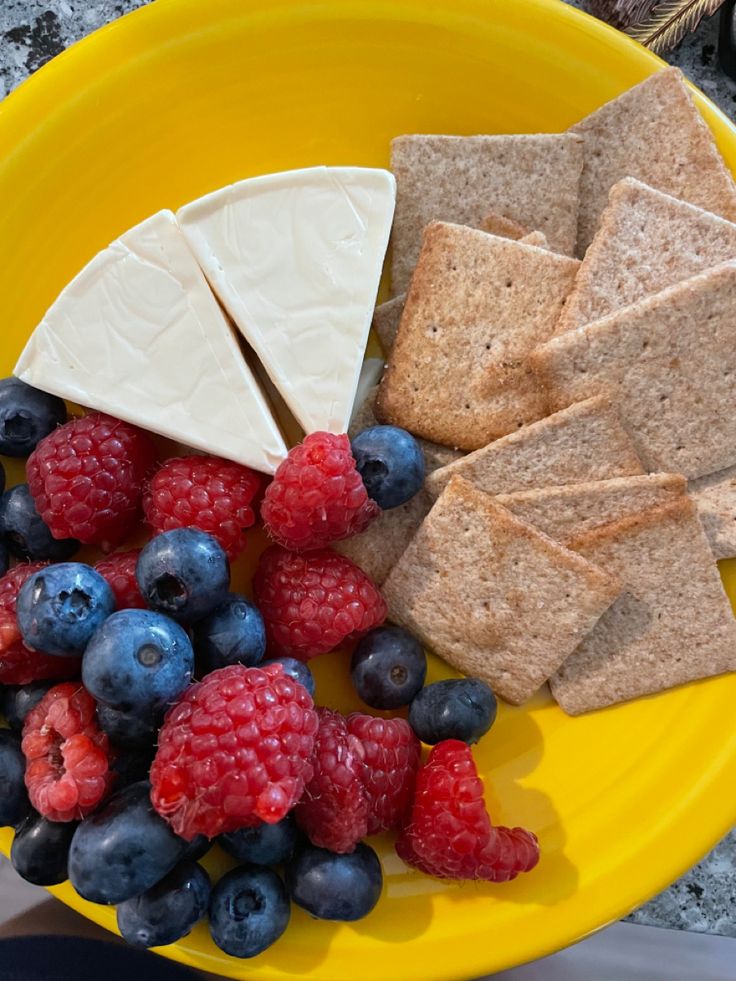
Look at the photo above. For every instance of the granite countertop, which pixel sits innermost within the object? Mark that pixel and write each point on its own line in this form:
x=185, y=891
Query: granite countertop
x=33, y=31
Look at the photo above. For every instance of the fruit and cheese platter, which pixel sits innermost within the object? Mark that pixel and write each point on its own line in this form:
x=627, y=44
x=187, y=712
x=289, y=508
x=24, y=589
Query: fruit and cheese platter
x=325, y=489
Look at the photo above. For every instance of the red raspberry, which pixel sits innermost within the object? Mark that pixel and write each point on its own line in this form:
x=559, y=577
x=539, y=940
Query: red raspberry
x=234, y=751
x=390, y=753
x=86, y=478
x=312, y=603
x=334, y=809
x=449, y=833
x=317, y=495
x=119, y=571
x=204, y=492
x=19, y=664
x=67, y=755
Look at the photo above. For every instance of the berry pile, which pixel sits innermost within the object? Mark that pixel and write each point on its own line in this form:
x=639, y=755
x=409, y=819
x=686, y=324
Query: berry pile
x=153, y=711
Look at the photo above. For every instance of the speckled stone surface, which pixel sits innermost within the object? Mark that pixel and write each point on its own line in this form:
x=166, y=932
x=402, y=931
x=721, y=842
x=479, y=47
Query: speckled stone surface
x=33, y=31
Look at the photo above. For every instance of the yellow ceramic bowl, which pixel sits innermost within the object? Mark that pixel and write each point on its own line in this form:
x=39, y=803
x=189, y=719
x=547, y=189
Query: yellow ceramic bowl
x=187, y=95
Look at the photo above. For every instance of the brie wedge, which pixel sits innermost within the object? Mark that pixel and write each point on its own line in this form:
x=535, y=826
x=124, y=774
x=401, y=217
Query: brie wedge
x=296, y=260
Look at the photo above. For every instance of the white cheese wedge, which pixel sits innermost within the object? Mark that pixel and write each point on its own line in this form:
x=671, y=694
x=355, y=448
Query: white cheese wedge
x=138, y=334
x=296, y=260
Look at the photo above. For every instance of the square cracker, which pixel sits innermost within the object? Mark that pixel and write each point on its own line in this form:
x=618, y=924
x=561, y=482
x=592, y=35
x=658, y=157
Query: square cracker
x=381, y=545
x=533, y=180
x=671, y=359
x=672, y=624
x=565, y=513
x=646, y=241
x=493, y=596
x=477, y=306
x=581, y=443
x=655, y=133
x=715, y=498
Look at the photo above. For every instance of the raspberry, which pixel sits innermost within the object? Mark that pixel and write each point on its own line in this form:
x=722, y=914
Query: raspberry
x=334, y=809
x=234, y=751
x=317, y=495
x=67, y=755
x=86, y=478
x=119, y=571
x=19, y=665
x=312, y=603
x=390, y=760
x=204, y=492
x=449, y=833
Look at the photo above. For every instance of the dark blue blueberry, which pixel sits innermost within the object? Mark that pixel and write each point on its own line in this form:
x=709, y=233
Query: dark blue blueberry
x=266, y=844
x=123, y=849
x=183, y=573
x=26, y=416
x=335, y=887
x=59, y=608
x=2, y=478
x=458, y=708
x=388, y=667
x=14, y=803
x=297, y=670
x=249, y=911
x=131, y=766
x=40, y=850
x=197, y=848
x=126, y=730
x=138, y=662
x=24, y=531
x=234, y=633
x=167, y=911
x=16, y=702
x=391, y=463
x=4, y=558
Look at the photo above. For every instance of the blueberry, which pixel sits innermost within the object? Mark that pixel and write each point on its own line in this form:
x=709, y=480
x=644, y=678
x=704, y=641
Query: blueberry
x=126, y=730
x=14, y=803
x=138, y=662
x=391, y=463
x=131, y=766
x=59, y=608
x=2, y=478
x=26, y=416
x=25, y=533
x=123, y=849
x=266, y=844
x=297, y=670
x=167, y=911
x=196, y=848
x=249, y=911
x=388, y=667
x=234, y=633
x=40, y=850
x=183, y=573
x=17, y=702
x=335, y=887
x=459, y=708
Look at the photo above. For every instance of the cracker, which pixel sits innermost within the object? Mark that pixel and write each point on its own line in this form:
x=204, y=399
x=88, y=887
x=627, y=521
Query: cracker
x=715, y=498
x=671, y=359
x=646, y=241
x=672, y=624
x=386, y=319
x=565, y=513
x=581, y=443
x=539, y=239
x=477, y=306
x=655, y=133
x=493, y=596
x=496, y=224
x=533, y=180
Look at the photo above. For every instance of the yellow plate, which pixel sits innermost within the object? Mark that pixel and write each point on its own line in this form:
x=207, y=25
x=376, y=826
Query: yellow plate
x=184, y=96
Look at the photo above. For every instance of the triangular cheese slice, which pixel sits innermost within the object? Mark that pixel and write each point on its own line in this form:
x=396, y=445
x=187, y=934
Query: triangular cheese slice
x=296, y=260
x=138, y=334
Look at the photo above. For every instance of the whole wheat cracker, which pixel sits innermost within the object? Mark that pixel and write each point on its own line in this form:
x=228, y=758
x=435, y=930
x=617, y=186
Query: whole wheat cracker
x=493, y=596
x=646, y=241
x=671, y=358
x=497, y=224
x=533, y=180
x=715, y=498
x=477, y=306
x=672, y=624
x=584, y=442
x=538, y=239
x=564, y=513
x=655, y=133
